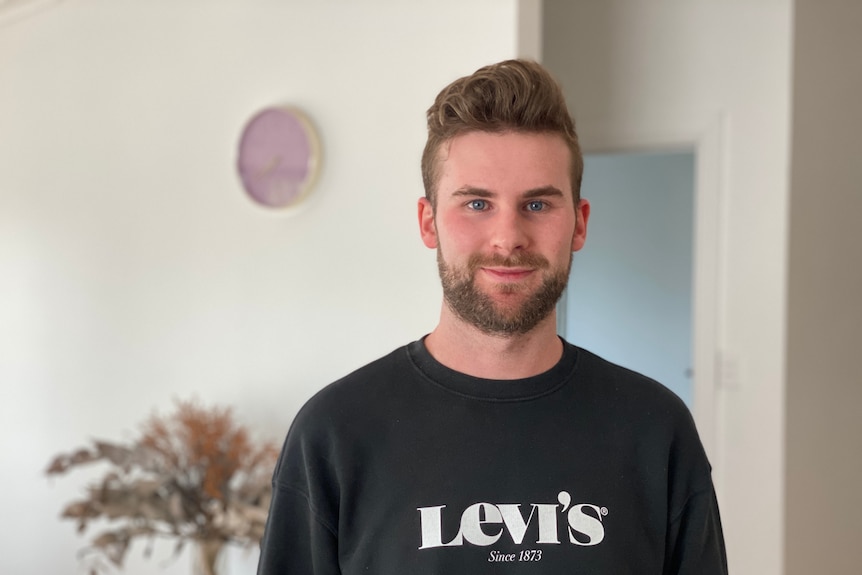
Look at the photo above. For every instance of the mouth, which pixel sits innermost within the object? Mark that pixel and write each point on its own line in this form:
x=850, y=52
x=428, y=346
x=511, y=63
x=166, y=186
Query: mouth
x=507, y=274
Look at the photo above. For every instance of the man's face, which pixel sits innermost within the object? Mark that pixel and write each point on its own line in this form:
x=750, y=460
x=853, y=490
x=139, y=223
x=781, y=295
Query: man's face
x=505, y=227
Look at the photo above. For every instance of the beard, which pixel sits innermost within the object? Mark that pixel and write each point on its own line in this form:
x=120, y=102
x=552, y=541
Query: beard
x=480, y=310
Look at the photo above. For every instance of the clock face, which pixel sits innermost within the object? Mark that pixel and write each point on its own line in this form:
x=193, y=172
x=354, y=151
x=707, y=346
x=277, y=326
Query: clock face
x=278, y=157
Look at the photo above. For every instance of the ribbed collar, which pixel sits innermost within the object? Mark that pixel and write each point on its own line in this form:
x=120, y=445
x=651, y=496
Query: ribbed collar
x=494, y=389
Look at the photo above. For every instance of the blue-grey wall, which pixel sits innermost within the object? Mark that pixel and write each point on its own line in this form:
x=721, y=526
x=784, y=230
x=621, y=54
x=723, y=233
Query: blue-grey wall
x=630, y=292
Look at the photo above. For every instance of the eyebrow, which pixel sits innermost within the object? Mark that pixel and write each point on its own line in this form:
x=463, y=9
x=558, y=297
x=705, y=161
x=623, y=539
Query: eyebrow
x=543, y=192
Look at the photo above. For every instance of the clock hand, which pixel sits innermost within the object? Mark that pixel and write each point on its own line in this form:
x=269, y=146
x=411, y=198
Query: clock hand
x=269, y=168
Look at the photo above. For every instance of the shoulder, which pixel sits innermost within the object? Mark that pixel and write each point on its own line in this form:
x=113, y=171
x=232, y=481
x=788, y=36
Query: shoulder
x=603, y=381
x=328, y=426
x=362, y=391
x=657, y=425
x=637, y=406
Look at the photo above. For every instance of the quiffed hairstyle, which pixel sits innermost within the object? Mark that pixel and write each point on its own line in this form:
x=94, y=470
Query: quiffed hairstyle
x=514, y=95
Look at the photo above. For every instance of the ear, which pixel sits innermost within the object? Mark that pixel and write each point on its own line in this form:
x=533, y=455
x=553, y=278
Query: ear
x=582, y=215
x=427, y=229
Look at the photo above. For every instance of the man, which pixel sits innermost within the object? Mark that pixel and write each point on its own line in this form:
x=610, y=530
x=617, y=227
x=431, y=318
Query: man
x=491, y=445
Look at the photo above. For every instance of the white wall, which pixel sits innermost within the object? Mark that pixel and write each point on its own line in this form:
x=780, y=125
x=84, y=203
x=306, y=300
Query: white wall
x=824, y=386
x=716, y=75
x=132, y=268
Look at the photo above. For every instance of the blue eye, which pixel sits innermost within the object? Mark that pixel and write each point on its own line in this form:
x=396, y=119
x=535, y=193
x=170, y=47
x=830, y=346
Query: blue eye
x=477, y=205
x=535, y=206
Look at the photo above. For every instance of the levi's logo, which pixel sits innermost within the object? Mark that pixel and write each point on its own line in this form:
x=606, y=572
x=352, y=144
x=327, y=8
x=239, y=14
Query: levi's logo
x=483, y=524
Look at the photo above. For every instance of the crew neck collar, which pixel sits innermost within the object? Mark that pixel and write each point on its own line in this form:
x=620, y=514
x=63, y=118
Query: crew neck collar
x=494, y=389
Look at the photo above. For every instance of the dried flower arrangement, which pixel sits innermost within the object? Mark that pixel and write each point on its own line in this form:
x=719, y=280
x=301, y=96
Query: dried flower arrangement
x=192, y=476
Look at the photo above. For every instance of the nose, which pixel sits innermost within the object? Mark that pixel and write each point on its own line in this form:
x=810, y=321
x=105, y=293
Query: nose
x=509, y=233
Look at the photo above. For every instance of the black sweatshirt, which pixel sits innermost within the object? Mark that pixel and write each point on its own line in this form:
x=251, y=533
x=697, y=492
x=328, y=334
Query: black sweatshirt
x=406, y=467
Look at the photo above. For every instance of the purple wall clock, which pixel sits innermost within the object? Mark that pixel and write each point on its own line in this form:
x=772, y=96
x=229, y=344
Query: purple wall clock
x=279, y=157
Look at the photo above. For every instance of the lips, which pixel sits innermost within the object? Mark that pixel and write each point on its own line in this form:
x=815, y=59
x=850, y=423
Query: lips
x=508, y=274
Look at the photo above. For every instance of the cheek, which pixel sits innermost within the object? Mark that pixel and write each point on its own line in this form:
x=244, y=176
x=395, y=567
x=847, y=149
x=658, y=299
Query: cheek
x=457, y=237
x=566, y=245
x=558, y=238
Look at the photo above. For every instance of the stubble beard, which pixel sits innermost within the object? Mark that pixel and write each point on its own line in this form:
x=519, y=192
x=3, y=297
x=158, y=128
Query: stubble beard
x=481, y=311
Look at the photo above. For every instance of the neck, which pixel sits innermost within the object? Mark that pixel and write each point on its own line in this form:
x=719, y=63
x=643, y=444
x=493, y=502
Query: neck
x=462, y=347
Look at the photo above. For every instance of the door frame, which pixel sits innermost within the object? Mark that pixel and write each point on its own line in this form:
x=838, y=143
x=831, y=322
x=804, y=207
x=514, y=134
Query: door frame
x=713, y=370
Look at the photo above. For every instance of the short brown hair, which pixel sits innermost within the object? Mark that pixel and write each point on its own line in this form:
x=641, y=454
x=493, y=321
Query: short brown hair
x=513, y=95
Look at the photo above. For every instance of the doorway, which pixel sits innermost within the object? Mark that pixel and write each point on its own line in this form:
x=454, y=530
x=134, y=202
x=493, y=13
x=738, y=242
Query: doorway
x=630, y=294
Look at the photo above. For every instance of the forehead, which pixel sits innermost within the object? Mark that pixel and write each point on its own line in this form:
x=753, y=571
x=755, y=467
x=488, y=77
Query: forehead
x=501, y=162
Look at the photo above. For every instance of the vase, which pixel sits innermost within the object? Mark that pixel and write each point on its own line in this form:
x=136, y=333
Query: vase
x=208, y=553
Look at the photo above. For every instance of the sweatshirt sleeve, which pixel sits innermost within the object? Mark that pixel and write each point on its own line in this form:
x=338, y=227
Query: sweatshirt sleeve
x=695, y=543
x=301, y=535
x=296, y=541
